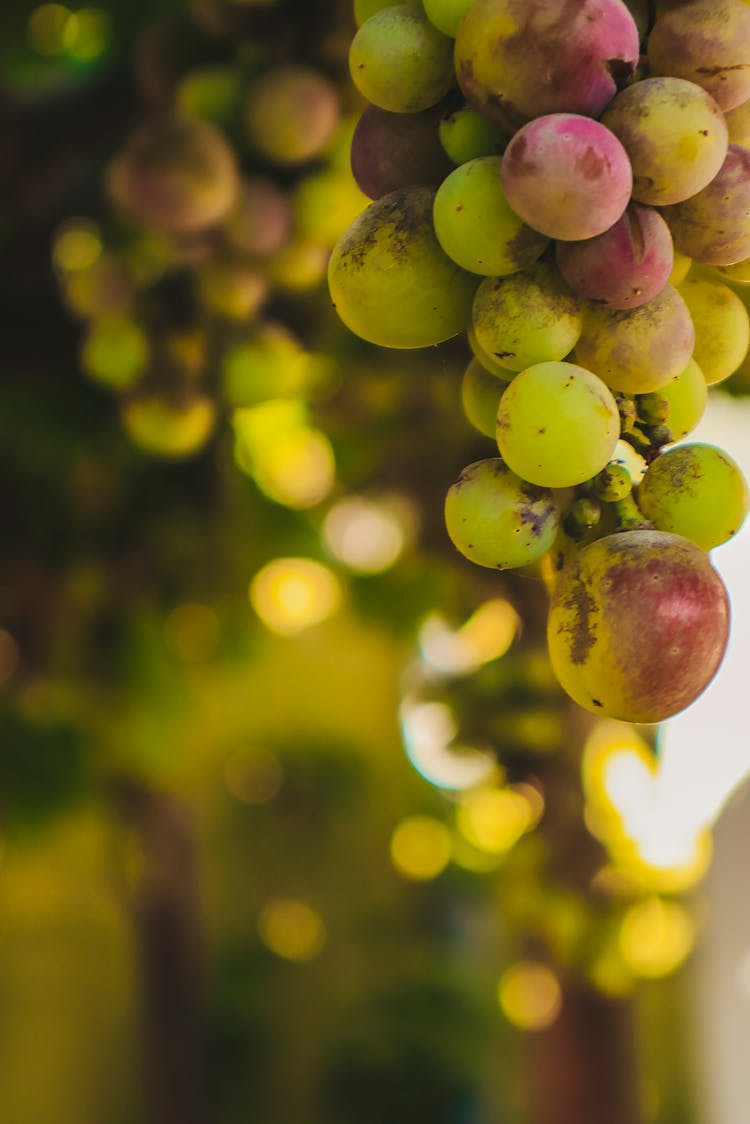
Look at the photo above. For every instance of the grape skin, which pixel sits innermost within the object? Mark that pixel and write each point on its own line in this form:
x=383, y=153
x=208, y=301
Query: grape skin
x=722, y=327
x=480, y=397
x=713, y=226
x=394, y=150
x=687, y=396
x=706, y=42
x=400, y=62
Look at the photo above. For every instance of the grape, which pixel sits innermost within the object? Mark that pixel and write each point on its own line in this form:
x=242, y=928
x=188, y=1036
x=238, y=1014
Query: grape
x=395, y=150
x=696, y=491
x=476, y=226
x=260, y=221
x=324, y=204
x=270, y=363
x=527, y=318
x=638, y=625
x=639, y=350
x=390, y=281
x=497, y=520
x=465, y=134
x=101, y=288
x=738, y=274
x=713, y=226
x=400, y=62
x=624, y=267
x=680, y=267
x=176, y=174
x=738, y=124
x=363, y=9
x=231, y=289
x=518, y=59
x=722, y=327
x=167, y=428
x=557, y=425
x=674, y=134
x=300, y=265
x=446, y=15
x=115, y=351
x=707, y=42
x=291, y=114
x=486, y=360
x=687, y=396
x=567, y=176
x=212, y=94
x=480, y=397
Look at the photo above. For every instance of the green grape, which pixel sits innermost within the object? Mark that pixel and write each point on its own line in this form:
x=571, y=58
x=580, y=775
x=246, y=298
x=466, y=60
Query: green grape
x=641, y=349
x=389, y=279
x=324, y=204
x=476, y=225
x=738, y=124
x=613, y=483
x=487, y=361
x=680, y=267
x=213, y=93
x=291, y=114
x=638, y=625
x=527, y=318
x=101, y=288
x=446, y=15
x=465, y=134
x=115, y=351
x=270, y=364
x=687, y=396
x=480, y=397
x=167, y=428
x=497, y=520
x=722, y=327
x=300, y=265
x=231, y=289
x=557, y=425
x=400, y=62
x=674, y=134
x=363, y=9
x=696, y=491
x=706, y=43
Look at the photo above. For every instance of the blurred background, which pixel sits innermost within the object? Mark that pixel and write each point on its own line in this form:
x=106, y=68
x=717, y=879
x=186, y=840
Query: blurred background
x=295, y=824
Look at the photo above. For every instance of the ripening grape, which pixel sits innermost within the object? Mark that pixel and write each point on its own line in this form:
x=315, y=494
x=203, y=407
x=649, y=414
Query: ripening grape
x=391, y=282
x=528, y=317
x=394, y=150
x=480, y=397
x=400, y=62
x=446, y=15
x=722, y=327
x=495, y=519
x=231, y=288
x=738, y=124
x=485, y=359
x=638, y=625
x=476, y=225
x=363, y=9
x=260, y=222
x=167, y=428
x=270, y=363
x=176, y=174
x=639, y=350
x=624, y=267
x=324, y=203
x=674, y=134
x=518, y=59
x=696, y=491
x=713, y=226
x=706, y=42
x=466, y=134
x=300, y=265
x=680, y=266
x=291, y=114
x=567, y=176
x=115, y=351
x=212, y=94
x=686, y=396
x=101, y=288
x=557, y=425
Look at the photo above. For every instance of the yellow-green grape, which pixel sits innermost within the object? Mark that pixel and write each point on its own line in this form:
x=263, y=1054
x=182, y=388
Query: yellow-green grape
x=446, y=15
x=291, y=114
x=115, y=351
x=674, y=134
x=213, y=94
x=465, y=134
x=480, y=397
x=557, y=425
x=104, y=287
x=487, y=361
x=687, y=396
x=613, y=483
x=498, y=520
x=300, y=265
x=391, y=282
x=166, y=428
x=696, y=491
x=324, y=204
x=639, y=350
x=177, y=174
x=400, y=62
x=270, y=364
x=680, y=267
x=260, y=222
x=638, y=625
x=738, y=124
x=722, y=327
x=363, y=9
x=527, y=318
x=653, y=409
x=476, y=225
x=706, y=42
x=231, y=289
x=738, y=274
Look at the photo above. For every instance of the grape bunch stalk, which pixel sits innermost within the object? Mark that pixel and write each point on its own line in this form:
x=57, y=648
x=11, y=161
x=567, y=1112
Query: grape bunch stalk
x=569, y=184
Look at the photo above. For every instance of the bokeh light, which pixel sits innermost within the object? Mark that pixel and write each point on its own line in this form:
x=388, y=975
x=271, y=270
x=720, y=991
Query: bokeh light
x=76, y=245
x=494, y=819
x=428, y=730
x=192, y=632
x=292, y=929
x=293, y=594
x=530, y=996
x=421, y=848
x=48, y=29
x=656, y=937
x=253, y=775
x=487, y=635
x=364, y=535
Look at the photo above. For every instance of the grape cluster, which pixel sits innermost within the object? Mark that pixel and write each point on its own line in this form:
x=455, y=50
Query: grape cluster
x=570, y=185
